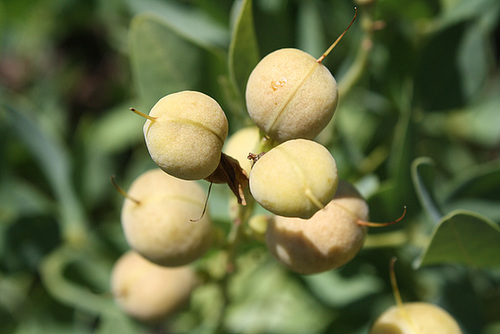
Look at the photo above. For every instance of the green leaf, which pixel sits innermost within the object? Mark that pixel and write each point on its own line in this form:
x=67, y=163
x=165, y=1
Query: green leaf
x=438, y=81
x=43, y=323
x=192, y=24
x=478, y=123
x=117, y=130
x=482, y=181
x=467, y=10
x=337, y=291
x=20, y=198
x=487, y=208
x=473, y=59
x=311, y=36
x=54, y=161
x=423, y=180
x=267, y=299
x=117, y=322
x=402, y=153
x=466, y=238
x=163, y=62
x=243, y=50
x=347, y=123
x=455, y=64
x=407, y=10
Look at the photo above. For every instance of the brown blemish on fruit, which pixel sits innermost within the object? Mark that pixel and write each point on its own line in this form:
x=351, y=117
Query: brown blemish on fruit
x=278, y=83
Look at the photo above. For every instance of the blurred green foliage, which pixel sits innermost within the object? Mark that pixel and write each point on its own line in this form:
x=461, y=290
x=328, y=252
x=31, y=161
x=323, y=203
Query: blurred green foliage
x=418, y=125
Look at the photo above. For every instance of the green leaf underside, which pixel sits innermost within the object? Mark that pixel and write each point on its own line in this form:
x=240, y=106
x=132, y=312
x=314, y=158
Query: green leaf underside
x=481, y=181
x=423, y=178
x=466, y=238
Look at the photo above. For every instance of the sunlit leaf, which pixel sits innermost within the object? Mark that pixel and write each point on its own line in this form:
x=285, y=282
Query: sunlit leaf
x=192, y=24
x=163, y=62
x=478, y=123
x=466, y=238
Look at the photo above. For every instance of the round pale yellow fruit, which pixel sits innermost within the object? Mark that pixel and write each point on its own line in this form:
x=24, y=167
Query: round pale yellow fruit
x=149, y=292
x=240, y=144
x=186, y=138
x=415, y=318
x=294, y=179
x=159, y=225
x=291, y=95
x=328, y=240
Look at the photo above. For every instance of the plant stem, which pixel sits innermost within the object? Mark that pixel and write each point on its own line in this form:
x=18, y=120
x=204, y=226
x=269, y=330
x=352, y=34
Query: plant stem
x=240, y=215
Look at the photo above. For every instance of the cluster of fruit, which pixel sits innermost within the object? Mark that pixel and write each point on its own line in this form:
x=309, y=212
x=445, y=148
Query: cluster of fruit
x=296, y=179
x=291, y=97
x=318, y=221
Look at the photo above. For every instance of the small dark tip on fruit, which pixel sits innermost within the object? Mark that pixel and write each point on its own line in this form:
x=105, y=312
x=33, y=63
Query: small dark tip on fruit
x=255, y=157
x=140, y=113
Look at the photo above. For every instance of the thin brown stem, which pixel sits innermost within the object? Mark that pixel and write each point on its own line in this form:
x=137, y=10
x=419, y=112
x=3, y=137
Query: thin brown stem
x=397, y=294
x=360, y=64
x=123, y=192
x=204, y=206
x=394, y=283
x=374, y=224
x=320, y=59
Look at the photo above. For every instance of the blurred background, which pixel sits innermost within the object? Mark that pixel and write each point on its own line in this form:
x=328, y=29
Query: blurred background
x=418, y=124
